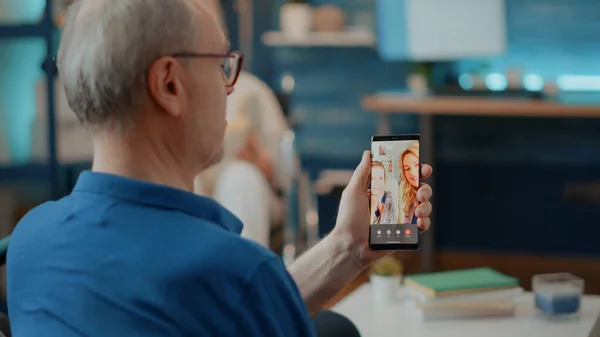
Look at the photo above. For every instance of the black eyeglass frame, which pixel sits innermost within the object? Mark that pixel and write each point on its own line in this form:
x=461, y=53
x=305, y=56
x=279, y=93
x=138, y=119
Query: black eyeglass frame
x=235, y=55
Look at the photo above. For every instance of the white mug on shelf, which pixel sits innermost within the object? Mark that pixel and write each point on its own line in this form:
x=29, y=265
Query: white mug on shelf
x=296, y=19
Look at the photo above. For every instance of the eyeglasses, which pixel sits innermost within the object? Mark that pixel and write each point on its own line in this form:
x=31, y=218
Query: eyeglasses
x=232, y=64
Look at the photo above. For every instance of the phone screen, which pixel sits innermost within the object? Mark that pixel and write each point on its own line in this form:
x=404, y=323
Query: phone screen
x=395, y=179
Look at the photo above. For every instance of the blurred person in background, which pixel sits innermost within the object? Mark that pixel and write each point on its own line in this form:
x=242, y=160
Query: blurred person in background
x=250, y=172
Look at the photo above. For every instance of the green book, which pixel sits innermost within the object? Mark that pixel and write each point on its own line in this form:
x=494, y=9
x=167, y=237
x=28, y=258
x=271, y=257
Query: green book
x=457, y=282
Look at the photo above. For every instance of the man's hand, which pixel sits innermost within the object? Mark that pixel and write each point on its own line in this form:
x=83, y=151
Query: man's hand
x=324, y=270
x=353, y=215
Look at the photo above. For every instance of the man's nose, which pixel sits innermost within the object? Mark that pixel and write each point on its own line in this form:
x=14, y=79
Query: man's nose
x=230, y=90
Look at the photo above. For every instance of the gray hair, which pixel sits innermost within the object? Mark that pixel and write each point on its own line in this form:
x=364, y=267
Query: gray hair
x=108, y=47
x=217, y=9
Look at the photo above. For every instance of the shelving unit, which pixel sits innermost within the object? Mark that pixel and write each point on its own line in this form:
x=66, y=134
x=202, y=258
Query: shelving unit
x=47, y=171
x=321, y=39
x=19, y=31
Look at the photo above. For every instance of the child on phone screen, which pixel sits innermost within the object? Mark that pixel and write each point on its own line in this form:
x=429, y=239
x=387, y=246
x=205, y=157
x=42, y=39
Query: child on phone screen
x=382, y=202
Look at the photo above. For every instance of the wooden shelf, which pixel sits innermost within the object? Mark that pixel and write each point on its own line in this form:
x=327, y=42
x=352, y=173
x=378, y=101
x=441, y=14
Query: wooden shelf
x=321, y=39
x=476, y=106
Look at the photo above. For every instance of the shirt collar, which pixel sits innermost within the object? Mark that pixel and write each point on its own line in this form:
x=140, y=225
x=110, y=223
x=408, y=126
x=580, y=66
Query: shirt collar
x=160, y=196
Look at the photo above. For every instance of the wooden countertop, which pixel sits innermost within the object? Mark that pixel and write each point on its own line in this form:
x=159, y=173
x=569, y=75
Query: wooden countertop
x=475, y=106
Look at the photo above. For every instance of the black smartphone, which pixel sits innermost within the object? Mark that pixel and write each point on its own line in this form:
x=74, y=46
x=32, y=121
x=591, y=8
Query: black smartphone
x=395, y=179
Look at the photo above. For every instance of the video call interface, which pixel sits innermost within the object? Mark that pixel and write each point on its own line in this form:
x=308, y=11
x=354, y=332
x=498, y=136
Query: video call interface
x=395, y=179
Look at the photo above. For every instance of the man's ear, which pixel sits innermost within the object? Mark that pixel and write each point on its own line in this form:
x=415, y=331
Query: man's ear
x=164, y=85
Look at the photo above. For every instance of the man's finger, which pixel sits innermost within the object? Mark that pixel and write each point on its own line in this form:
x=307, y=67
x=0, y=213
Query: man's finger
x=426, y=171
x=360, y=177
x=424, y=210
x=424, y=193
x=423, y=223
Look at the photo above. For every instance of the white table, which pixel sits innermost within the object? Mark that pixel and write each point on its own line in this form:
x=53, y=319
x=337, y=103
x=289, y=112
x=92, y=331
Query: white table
x=396, y=320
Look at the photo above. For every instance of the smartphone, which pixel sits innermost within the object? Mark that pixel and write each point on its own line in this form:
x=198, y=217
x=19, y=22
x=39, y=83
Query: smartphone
x=395, y=179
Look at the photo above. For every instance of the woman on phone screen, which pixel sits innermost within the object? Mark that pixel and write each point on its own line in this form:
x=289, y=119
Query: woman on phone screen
x=408, y=161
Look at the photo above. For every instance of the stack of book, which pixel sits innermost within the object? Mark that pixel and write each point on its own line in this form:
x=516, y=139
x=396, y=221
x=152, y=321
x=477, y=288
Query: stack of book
x=466, y=293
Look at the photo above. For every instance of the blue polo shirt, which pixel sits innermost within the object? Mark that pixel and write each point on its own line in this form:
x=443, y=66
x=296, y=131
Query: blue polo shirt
x=121, y=257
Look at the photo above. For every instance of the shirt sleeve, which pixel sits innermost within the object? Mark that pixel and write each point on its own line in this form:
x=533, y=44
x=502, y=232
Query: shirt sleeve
x=271, y=304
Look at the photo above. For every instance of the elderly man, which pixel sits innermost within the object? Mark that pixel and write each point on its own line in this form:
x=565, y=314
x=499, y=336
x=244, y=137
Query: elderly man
x=132, y=251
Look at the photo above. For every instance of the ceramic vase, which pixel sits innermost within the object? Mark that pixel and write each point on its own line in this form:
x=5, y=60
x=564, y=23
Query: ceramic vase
x=385, y=288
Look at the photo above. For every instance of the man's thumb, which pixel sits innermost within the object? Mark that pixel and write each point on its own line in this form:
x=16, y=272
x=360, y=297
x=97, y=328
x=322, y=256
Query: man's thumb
x=360, y=177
